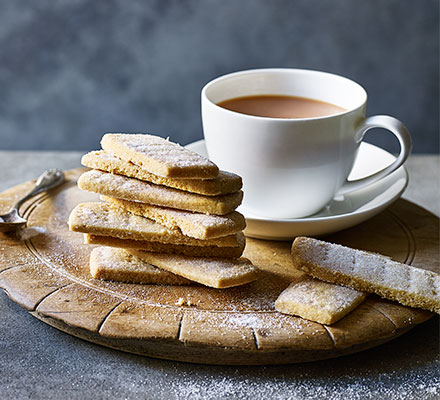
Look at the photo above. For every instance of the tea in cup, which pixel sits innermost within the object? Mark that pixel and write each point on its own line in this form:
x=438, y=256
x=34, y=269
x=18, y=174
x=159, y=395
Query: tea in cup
x=293, y=136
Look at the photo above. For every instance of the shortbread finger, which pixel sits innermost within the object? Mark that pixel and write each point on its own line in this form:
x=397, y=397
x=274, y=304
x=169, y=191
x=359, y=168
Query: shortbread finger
x=196, y=225
x=233, y=251
x=318, y=301
x=132, y=189
x=119, y=265
x=105, y=220
x=368, y=272
x=224, y=183
x=219, y=273
x=159, y=156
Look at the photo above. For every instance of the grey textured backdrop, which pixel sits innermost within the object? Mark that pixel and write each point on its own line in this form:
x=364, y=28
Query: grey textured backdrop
x=71, y=70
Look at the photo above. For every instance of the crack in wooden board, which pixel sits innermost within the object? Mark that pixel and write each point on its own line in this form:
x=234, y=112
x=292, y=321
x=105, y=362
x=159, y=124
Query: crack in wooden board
x=362, y=325
x=204, y=328
x=284, y=331
x=400, y=316
x=28, y=284
x=129, y=320
x=77, y=306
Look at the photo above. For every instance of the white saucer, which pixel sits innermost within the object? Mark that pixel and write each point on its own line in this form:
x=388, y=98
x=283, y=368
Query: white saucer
x=340, y=213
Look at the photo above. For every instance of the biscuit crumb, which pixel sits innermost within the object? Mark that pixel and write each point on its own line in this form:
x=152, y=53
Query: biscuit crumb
x=180, y=302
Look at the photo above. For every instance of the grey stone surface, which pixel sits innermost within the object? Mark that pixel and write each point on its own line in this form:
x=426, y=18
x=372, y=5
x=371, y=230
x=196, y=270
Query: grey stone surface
x=71, y=70
x=40, y=362
x=21, y=166
x=424, y=182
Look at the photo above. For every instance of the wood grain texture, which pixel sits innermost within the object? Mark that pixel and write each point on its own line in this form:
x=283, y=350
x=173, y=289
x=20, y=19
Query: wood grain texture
x=129, y=320
x=45, y=270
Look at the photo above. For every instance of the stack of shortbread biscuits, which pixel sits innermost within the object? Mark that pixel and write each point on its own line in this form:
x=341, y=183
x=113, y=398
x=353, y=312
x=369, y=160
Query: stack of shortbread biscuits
x=167, y=216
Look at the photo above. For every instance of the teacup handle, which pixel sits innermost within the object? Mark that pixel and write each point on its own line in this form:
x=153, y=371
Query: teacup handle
x=400, y=131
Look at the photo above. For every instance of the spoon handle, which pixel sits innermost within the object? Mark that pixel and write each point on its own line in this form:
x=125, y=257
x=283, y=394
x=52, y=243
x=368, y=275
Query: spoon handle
x=47, y=180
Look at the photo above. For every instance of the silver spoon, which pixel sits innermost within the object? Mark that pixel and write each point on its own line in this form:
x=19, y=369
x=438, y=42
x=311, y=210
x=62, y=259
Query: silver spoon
x=47, y=180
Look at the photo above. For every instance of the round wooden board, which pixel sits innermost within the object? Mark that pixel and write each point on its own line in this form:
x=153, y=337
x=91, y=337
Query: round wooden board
x=45, y=270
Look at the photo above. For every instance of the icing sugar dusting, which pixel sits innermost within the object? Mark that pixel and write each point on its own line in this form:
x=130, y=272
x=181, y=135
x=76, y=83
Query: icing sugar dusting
x=159, y=156
x=227, y=387
x=297, y=382
x=30, y=232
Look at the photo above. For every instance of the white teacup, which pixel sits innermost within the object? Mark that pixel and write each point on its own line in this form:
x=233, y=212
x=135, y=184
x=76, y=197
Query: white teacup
x=292, y=168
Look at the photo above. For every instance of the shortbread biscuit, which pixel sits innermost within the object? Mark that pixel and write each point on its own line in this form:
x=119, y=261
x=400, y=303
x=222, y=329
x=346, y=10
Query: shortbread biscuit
x=196, y=225
x=119, y=265
x=219, y=273
x=368, y=272
x=159, y=156
x=224, y=183
x=132, y=189
x=233, y=251
x=105, y=220
x=318, y=301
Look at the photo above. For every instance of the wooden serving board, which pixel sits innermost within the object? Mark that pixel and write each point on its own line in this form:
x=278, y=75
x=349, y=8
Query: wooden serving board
x=45, y=270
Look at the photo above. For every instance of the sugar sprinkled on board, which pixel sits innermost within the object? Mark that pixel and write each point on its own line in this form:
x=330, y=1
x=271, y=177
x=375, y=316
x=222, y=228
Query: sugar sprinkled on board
x=30, y=232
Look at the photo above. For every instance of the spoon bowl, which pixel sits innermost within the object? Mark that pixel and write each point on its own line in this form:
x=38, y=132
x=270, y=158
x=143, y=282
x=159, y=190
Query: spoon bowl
x=12, y=220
